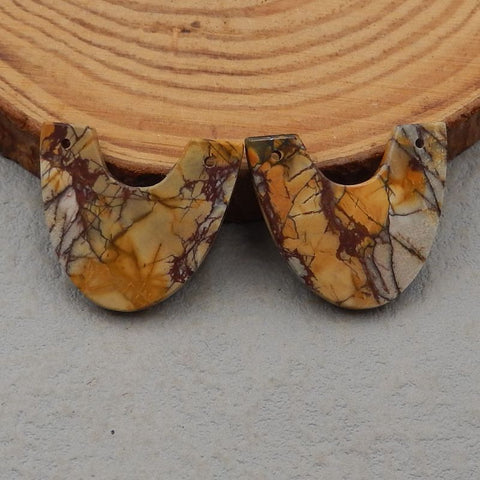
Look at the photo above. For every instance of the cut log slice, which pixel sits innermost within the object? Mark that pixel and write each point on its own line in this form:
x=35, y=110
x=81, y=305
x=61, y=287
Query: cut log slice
x=150, y=76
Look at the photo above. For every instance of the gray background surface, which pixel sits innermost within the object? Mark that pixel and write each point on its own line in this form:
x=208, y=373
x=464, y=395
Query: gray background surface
x=243, y=373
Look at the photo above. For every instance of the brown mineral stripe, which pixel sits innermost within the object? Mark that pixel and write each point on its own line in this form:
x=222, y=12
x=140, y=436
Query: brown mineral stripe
x=357, y=246
x=128, y=247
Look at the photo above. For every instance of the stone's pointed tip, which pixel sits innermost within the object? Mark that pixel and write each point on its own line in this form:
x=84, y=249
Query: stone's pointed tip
x=251, y=141
x=50, y=126
x=430, y=125
x=433, y=127
x=198, y=141
x=230, y=153
x=59, y=129
x=438, y=129
x=235, y=146
x=47, y=130
x=237, y=150
x=259, y=149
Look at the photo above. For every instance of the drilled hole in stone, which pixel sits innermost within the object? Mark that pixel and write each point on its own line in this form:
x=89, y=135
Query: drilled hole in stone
x=276, y=156
x=419, y=143
x=210, y=161
x=66, y=143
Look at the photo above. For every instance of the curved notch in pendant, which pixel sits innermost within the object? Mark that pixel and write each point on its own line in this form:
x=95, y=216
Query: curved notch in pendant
x=357, y=246
x=129, y=247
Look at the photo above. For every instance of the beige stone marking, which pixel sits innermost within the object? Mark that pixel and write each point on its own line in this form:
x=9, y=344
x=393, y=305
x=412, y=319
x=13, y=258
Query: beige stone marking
x=129, y=247
x=357, y=246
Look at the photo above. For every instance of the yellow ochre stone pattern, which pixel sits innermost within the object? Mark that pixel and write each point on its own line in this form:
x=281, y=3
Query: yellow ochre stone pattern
x=357, y=246
x=126, y=247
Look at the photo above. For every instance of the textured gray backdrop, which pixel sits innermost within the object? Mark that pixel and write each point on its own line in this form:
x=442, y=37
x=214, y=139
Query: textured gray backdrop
x=243, y=373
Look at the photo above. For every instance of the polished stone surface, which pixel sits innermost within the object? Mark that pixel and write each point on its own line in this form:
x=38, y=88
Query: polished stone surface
x=125, y=247
x=357, y=246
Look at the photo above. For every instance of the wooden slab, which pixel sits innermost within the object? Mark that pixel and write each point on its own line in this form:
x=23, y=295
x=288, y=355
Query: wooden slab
x=151, y=75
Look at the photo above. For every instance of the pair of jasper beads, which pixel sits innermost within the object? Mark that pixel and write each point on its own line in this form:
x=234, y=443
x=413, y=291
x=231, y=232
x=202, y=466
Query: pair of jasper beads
x=357, y=246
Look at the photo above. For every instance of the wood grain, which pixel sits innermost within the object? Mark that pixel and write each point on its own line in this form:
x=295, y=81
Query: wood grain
x=150, y=75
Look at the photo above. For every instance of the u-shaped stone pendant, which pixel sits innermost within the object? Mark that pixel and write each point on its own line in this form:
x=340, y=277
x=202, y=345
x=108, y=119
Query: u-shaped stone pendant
x=128, y=247
x=357, y=246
